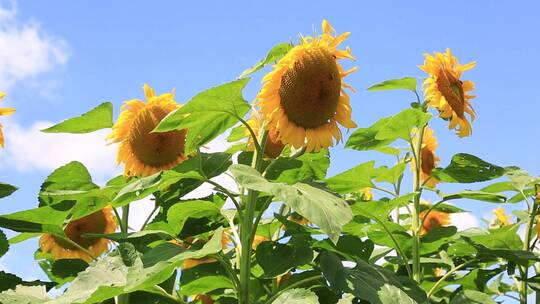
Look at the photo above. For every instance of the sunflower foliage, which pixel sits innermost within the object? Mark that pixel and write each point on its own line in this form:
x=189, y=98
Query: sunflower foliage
x=273, y=226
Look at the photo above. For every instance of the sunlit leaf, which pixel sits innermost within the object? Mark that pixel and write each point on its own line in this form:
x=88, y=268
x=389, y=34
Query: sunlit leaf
x=476, y=195
x=402, y=124
x=466, y=168
x=353, y=179
x=208, y=114
x=297, y=296
x=178, y=214
x=406, y=83
x=273, y=56
x=363, y=139
x=321, y=208
x=98, y=118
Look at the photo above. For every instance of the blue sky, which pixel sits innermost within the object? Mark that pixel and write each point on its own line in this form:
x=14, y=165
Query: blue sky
x=82, y=53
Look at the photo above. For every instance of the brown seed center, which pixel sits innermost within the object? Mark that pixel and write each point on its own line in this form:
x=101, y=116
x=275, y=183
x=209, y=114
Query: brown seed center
x=310, y=90
x=452, y=90
x=93, y=223
x=155, y=149
x=427, y=161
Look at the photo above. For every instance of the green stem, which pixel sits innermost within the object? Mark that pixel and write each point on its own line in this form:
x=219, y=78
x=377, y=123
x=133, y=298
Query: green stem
x=229, y=269
x=228, y=193
x=124, y=298
x=526, y=246
x=415, y=214
x=296, y=284
x=444, y=277
x=247, y=227
x=156, y=289
x=149, y=217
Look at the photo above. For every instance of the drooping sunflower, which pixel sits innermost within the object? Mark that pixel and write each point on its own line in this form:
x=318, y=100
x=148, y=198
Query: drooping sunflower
x=273, y=146
x=102, y=221
x=4, y=111
x=428, y=159
x=304, y=97
x=433, y=219
x=143, y=152
x=501, y=218
x=445, y=91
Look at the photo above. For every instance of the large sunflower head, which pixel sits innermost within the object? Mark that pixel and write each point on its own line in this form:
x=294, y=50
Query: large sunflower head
x=4, y=111
x=433, y=219
x=102, y=221
x=304, y=97
x=273, y=146
x=445, y=91
x=428, y=159
x=143, y=152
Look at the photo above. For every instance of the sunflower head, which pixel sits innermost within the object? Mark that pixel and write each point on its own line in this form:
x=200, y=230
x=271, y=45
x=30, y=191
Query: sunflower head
x=142, y=152
x=303, y=98
x=4, y=111
x=433, y=219
x=501, y=218
x=445, y=91
x=102, y=221
x=273, y=146
x=438, y=272
x=428, y=159
x=257, y=240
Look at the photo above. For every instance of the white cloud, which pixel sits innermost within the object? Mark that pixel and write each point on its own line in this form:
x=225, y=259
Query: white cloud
x=28, y=149
x=26, y=50
x=464, y=220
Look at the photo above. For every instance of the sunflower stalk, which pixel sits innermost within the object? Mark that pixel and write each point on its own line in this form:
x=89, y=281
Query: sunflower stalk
x=124, y=298
x=248, y=226
x=415, y=212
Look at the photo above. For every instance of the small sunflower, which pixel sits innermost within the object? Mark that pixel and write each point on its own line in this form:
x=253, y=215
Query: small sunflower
x=433, y=219
x=203, y=299
x=143, y=152
x=102, y=221
x=501, y=219
x=445, y=91
x=438, y=272
x=428, y=159
x=538, y=226
x=366, y=194
x=273, y=146
x=4, y=111
x=304, y=97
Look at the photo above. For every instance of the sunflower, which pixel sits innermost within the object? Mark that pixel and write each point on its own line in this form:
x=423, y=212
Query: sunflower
x=4, y=111
x=438, y=272
x=203, y=299
x=366, y=194
x=143, y=152
x=428, y=159
x=445, y=91
x=102, y=221
x=273, y=146
x=304, y=98
x=433, y=219
x=501, y=219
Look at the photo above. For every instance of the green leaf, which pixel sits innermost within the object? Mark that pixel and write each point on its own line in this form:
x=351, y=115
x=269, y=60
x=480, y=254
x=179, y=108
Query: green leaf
x=65, y=270
x=98, y=118
x=402, y=124
x=371, y=283
x=276, y=53
x=25, y=295
x=353, y=179
x=310, y=166
x=325, y=210
x=519, y=179
x=178, y=214
x=4, y=244
x=501, y=238
x=6, y=189
x=8, y=281
x=477, y=195
x=466, y=168
x=472, y=296
x=208, y=114
x=277, y=259
x=109, y=277
x=142, y=187
x=204, y=278
x=297, y=296
x=406, y=83
x=363, y=139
